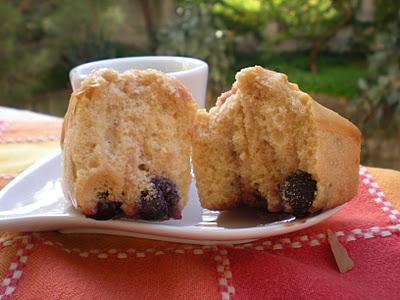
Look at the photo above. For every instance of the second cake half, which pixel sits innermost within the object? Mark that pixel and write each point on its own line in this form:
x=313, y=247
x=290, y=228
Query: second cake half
x=267, y=144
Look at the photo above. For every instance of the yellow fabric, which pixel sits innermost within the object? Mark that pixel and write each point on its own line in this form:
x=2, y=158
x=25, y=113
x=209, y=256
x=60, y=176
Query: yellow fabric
x=14, y=158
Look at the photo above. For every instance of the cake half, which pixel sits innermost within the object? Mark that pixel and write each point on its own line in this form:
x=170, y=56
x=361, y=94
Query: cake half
x=126, y=145
x=268, y=144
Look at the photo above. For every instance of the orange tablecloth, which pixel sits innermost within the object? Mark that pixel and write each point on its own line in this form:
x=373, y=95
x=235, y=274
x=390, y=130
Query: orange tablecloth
x=300, y=265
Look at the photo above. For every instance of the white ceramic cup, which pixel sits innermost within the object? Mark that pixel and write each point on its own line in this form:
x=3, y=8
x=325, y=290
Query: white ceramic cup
x=192, y=72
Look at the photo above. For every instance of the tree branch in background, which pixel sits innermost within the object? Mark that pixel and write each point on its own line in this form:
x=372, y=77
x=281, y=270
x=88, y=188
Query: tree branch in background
x=149, y=24
x=321, y=41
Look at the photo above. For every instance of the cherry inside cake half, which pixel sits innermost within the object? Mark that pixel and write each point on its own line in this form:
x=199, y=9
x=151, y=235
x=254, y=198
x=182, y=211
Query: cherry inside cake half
x=268, y=144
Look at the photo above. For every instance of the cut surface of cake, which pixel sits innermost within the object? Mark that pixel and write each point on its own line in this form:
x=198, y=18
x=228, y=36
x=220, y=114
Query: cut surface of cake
x=126, y=145
x=268, y=144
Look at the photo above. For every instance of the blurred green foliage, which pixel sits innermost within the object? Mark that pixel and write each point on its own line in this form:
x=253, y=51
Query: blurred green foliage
x=241, y=16
x=81, y=30
x=379, y=95
x=309, y=20
x=312, y=22
x=196, y=32
x=23, y=62
x=43, y=40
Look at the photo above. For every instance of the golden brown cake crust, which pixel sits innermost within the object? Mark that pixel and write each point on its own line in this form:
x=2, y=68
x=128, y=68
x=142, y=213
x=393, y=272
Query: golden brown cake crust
x=337, y=158
x=266, y=131
x=127, y=136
